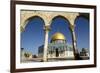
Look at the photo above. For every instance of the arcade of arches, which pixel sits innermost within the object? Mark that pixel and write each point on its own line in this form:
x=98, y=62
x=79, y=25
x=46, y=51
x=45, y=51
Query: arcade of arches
x=47, y=17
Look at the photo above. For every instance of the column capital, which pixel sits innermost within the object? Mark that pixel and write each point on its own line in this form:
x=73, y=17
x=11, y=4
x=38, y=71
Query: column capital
x=47, y=27
x=21, y=29
x=72, y=27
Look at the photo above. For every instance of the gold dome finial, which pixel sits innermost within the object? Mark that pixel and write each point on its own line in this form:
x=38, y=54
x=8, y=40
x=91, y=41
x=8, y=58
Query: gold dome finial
x=58, y=36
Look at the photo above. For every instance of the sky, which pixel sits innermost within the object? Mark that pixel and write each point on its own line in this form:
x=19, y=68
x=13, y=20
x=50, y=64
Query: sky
x=33, y=36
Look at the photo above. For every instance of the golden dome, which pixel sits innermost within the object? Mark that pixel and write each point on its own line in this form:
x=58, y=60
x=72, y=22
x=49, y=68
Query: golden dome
x=58, y=36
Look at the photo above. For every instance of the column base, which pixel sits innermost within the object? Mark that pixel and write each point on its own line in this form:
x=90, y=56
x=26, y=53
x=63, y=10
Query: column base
x=44, y=60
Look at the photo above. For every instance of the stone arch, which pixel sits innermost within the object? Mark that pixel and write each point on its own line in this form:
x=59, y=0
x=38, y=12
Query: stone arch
x=85, y=24
x=70, y=17
x=65, y=19
x=61, y=17
x=27, y=15
x=84, y=15
x=30, y=18
x=31, y=28
x=67, y=27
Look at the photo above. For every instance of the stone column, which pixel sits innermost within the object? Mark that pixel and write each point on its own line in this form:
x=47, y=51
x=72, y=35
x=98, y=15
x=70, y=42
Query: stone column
x=46, y=29
x=74, y=41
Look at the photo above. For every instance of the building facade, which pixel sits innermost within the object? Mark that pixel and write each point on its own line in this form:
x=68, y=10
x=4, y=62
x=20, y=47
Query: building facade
x=57, y=48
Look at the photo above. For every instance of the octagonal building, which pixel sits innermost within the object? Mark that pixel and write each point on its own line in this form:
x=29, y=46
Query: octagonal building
x=58, y=49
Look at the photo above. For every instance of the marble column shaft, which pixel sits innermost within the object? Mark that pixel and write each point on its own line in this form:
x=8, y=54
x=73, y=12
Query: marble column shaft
x=46, y=29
